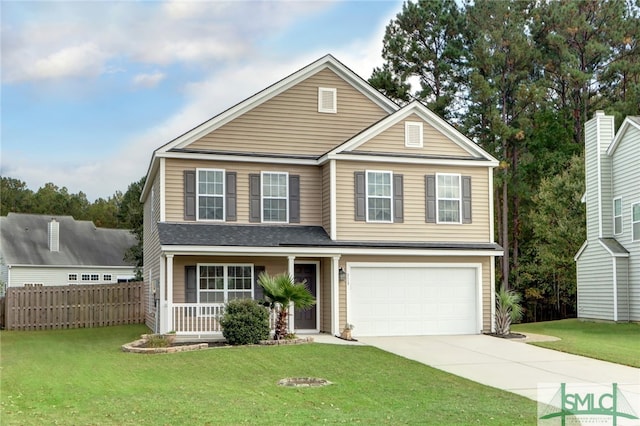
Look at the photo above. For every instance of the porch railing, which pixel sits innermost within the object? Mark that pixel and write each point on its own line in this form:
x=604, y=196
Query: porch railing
x=201, y=319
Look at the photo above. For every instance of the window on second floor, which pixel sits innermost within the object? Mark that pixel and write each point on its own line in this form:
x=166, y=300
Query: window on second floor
x=448, y=198
x=210, y=194
x=635, y=222
x=379, y=196
x=617, y=216
x=275, y=196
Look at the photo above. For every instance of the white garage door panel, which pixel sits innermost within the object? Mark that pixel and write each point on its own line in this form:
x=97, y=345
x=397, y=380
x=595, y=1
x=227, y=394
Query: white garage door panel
x=405, y=301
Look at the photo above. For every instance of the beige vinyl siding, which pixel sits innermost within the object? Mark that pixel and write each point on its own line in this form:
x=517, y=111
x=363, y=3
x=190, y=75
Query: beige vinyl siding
x=326, y=198
x=626, y=184
x=151, y=243
x=595, y=285
x=434, y=143
x=325, y=295
x=414, y=228
x=290, y=123
x=487, y=286
x=310, y=187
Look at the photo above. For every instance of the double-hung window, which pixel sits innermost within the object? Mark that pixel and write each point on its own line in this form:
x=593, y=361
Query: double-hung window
x=379, y=196
x=635, y=222
x=210, y=195
x=448, y=198
x=617, y=216
x=222, y=283
x=275, y=197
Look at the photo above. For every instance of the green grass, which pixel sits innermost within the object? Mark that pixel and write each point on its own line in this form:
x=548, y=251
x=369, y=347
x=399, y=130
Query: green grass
x=619, y=343
x=81, y=377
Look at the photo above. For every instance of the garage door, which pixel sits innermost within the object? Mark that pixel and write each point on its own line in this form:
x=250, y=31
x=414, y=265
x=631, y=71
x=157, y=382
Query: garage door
x=406, y=300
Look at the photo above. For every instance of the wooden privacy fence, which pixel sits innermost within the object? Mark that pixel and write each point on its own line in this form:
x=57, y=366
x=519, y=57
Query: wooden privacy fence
x=75, y=306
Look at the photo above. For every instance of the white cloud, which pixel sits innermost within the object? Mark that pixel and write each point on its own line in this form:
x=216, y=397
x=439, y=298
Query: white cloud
x=148, y=80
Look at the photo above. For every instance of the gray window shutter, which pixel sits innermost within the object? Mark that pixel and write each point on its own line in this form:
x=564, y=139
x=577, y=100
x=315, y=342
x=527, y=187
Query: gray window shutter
x=190, y=285
x=258, y=291
x=294, y=198
x=398, y=199
x=254, y=198
x=360, y=196
x=466, y=199
x=430, y=184
x=189, y=195
x=231, y=196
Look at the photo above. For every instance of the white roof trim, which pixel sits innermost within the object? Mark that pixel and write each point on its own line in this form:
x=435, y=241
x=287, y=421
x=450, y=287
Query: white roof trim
x=321, y=251
x=582, y=248
x=429, y=117
x=629, y=121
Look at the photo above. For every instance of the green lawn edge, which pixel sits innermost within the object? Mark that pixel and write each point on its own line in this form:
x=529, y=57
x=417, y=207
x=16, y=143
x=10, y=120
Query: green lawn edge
x=614, y=342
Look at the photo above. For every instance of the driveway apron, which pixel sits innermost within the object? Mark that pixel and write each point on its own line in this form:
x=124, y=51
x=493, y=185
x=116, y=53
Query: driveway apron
x=509, y=365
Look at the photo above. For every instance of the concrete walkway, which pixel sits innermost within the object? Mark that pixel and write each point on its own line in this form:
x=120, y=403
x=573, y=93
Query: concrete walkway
x=509, y=364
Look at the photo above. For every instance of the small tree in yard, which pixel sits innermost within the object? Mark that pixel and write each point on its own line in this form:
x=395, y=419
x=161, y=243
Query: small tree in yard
x=508, y=310
x=245, y=322
x=279, y=292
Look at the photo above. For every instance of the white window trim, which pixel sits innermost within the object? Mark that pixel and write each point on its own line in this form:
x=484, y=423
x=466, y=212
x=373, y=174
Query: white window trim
x=620, y=216
x=198, y=195
x=459, y=199
x=634, y=222
x=321, y=91
x=407, y=143
x=72, y=277
x=107, y=277
x=262, y=197
x=83, y=279
x=225, y=290
x=366, y=189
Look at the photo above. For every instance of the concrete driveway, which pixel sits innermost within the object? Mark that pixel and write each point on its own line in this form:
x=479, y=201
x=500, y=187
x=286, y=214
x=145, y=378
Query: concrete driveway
x=510, y=365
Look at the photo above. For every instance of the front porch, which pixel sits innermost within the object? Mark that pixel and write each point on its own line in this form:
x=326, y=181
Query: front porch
x=193, y=290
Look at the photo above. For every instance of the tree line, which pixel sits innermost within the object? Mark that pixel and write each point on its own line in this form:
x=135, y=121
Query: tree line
x=123, y=211
x=520, y=78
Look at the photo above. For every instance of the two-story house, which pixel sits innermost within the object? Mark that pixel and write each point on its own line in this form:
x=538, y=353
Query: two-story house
x=608, y=263
x=385, y=211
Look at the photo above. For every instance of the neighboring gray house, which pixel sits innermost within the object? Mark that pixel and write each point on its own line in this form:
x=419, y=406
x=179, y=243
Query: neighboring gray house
x=608, y=263
x=59, y=250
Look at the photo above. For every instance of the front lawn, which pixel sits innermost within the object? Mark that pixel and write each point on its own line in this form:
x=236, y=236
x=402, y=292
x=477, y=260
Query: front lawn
x=619, y=343
x=81, y=377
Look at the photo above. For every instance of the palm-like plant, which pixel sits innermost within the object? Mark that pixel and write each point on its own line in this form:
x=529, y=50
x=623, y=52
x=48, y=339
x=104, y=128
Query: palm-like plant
x=280, y=291
x=508, y=310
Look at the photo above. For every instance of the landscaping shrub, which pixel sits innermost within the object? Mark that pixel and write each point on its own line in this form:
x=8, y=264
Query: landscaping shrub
x=245, y=322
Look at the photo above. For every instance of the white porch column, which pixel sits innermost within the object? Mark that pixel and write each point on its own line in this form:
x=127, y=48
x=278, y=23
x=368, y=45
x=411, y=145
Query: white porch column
x=335, y=296
x=162, y=308
x=291, y=265
x=170, y=292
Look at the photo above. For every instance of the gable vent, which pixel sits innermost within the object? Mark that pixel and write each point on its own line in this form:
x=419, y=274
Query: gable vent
x=327, y=100
x=413, y=134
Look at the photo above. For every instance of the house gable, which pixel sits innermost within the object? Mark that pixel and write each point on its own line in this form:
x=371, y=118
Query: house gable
x=292, y=122
x=440, y=139
x=394, y=140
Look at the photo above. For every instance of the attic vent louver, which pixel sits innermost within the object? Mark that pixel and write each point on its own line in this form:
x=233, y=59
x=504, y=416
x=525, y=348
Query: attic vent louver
x=413, y=134
x=54, y=235
x=327, y=100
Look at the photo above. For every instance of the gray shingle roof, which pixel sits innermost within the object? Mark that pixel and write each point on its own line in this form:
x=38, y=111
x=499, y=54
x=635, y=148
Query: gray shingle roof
x=614, y=246
x=24, y=241
x=209, y=234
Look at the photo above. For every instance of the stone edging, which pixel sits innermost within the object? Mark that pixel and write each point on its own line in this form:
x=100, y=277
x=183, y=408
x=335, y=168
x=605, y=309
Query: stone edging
x=137, y=347
x=287, y=341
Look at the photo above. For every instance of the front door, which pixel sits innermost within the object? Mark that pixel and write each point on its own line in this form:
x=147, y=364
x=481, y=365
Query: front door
x=306, y=319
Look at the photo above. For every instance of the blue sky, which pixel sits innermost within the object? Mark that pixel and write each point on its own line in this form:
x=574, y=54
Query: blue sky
x=90, y=89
